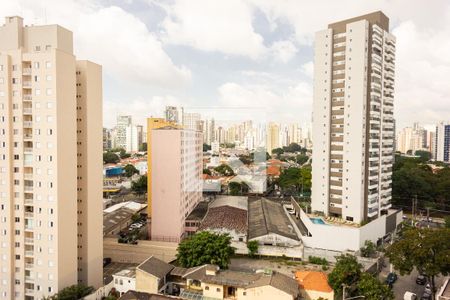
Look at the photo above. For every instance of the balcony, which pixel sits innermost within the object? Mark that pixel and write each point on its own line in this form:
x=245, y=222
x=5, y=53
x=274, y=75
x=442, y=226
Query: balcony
x=28, y=176
x=29, y=266
x=29, y=291
x=28, y=201
x=26, y=71
x=26, y=84
x=29, y=253
x=29, y=214
x=28, y=136
x=27, y=111
x=28, y=124
x=28, y=149
x=29, y=240
x=27, y=97
x=28, y=188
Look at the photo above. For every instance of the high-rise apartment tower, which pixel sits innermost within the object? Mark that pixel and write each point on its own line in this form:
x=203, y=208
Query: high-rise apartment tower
x=353, y=125
x=50, y=163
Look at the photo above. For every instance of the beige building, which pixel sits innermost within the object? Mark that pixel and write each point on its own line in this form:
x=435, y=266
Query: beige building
x=50, y=163
x=353, y=124
x=175, y=188
x=273, y=137
x=209, y=282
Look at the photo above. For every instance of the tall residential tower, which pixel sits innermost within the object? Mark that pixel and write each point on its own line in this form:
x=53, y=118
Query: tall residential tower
x=353, y=135
x=50, y=163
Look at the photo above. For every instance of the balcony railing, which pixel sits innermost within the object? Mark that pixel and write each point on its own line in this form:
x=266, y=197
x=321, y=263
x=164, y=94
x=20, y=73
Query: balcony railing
x=26, y=71
x=29, y=253
x=27, y=97
x=27, y=124
x=28, y=149
x=27, y=110
x=29, y=240
x=26, y=84
x=28, y=188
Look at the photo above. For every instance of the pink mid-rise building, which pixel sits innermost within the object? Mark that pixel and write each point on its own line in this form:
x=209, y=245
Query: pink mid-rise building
x=176, y=185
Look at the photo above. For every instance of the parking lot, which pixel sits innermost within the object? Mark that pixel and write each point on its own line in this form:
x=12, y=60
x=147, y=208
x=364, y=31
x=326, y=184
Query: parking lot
x=407, y=283
x=113, y=268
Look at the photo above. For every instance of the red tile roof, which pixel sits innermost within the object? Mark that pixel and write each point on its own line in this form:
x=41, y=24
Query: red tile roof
x=313, y=281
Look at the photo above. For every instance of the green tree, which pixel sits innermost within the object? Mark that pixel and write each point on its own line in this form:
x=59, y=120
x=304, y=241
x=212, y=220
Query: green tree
x=139, y=187
x=130, y=170
x=292, y=148
x=372, y=289
x=369, y=249
x=424, y=155
x=252, y=247
x=277, y=151
x=427, y=250
x=206, y=147
x=301, y=159
x=447, y=222
x=143, y=147
x=234, y=188
x=347, y=271
x=73, y=292
x=224, y=170
x=110, y=158
x=207, y=171
x=205, y=248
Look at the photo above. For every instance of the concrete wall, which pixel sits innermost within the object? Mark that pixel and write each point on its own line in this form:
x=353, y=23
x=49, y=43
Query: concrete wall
x=214, y=291
x=146, y=283
x=264, y=292
x=144, y=249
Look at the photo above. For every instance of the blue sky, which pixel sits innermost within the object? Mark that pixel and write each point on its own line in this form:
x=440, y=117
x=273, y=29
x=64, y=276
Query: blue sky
x=252, y=56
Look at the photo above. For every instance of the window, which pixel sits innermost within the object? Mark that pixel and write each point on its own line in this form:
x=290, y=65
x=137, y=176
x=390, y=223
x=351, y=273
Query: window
x=49, y=92
x=36, y=65
x=48, y=64
x=48, y=77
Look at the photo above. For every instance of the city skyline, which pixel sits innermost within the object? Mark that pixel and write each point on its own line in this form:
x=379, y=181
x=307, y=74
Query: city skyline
x=271, y=68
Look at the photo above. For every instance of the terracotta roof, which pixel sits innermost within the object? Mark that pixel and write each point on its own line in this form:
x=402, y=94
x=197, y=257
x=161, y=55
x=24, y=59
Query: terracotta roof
x=313, y=281
x=155, y=267
x=273, y=171
x=227, y=217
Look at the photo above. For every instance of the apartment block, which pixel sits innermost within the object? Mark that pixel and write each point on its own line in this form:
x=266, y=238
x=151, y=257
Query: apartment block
x=122, y=123
x=442, y=142
x=175, y=187
x=50, y=167
x=353, y=124
x=273, y=137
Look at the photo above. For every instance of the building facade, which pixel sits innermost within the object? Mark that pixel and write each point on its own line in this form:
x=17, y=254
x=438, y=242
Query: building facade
x=353, y=125
x=50, y=167
x=176, y=184
x=121, y=131
x=442, y=144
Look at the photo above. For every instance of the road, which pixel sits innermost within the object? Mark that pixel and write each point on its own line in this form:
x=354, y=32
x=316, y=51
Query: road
x=407, y=283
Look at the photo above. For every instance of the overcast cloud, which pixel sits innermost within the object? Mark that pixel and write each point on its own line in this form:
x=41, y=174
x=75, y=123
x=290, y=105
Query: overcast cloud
x=241, y=53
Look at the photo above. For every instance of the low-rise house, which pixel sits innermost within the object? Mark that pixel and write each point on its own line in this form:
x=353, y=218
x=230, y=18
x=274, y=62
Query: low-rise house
x=125, y=280
x=209, y=282
x=151, y=275
x=314, y=285
x=134, y=295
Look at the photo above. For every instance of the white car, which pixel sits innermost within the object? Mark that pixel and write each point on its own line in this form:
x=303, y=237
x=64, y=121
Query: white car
x=409, y=296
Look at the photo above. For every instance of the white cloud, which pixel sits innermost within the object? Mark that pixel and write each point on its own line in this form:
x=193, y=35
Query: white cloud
x=283, y=50
x=308, y=69
x=269, y=102
x=140, y=108
x=222, y=26
x=109, y=36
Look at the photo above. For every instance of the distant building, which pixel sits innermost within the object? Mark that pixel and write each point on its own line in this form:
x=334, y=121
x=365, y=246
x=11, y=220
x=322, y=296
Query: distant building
x=106, y=139
x=174, y=115
x=442, y=144
x=176, y=180
x=192, y=121
x=125, y=280
x=273, y=137
x=121, y=131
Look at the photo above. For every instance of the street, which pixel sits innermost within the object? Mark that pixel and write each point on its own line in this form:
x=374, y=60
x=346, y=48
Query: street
x=407, y=283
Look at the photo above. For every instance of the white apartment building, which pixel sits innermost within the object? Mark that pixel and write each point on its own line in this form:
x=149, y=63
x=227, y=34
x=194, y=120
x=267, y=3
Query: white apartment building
x=176, y=185
x=412, y=139
x=353, y=124
x=192, y=121
x=442, y=142
x=122, y=123
x=50, y=163
x=133, y=138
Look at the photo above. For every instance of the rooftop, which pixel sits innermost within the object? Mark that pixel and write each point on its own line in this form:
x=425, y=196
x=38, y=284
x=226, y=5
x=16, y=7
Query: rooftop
x=268, y=216
x=240, y=202
x=130, y=273
x=227, y=217
x=313, y=281
x=111, y=220
x=134, y=295
x=199, y=212
x=155, y=267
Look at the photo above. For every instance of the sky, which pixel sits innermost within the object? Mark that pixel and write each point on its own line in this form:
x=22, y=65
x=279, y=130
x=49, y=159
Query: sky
x=244, y=59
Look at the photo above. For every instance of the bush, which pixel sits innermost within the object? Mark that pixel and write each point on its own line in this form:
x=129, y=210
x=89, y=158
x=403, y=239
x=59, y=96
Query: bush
x=318, y=260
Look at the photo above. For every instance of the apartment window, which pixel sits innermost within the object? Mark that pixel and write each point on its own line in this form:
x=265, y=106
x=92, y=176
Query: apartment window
x=36, y=78
x=37, y=92
x=48, y=64
x=14, y=67
x=36, y=65
x=37, y=48
x=49, y=92
x=49, y=105
x=48, y=77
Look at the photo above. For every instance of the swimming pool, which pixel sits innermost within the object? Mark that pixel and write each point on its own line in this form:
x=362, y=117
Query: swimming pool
x=318, y=221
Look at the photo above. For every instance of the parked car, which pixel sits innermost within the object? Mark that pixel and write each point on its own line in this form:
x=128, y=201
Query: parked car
x=391, y=278
x=409, y=296
x=421, y=280
x=426, y=296
x=427, y=288
x=106, y=261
